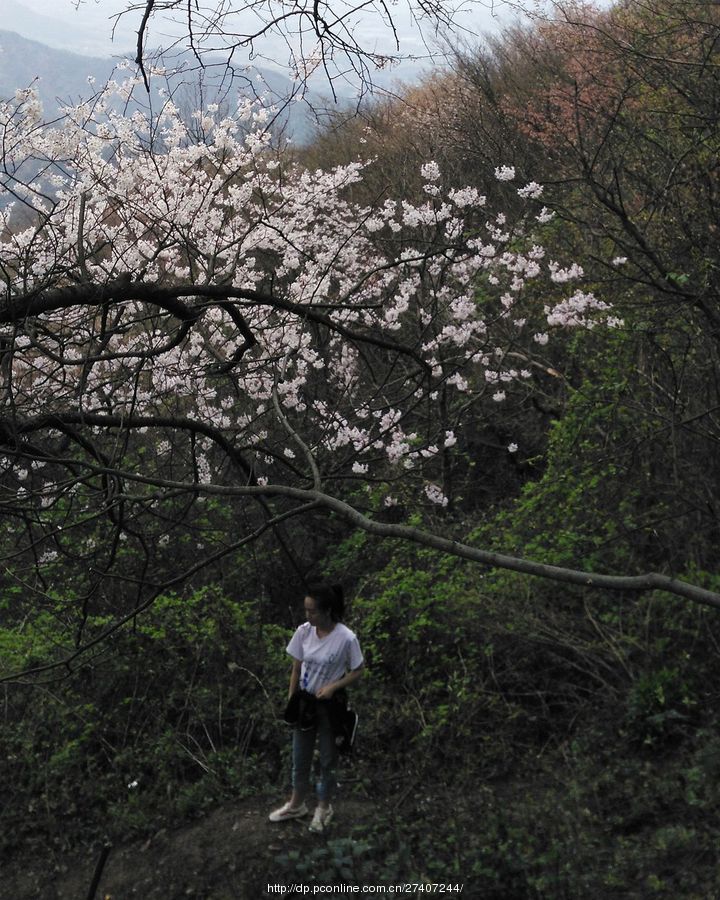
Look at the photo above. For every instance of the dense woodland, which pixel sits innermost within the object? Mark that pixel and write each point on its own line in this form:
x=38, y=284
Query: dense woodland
x=531, y=737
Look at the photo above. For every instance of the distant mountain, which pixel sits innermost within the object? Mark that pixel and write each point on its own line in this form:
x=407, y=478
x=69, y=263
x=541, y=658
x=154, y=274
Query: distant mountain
x=86, y=30
x=58, y=75
x=62, y=77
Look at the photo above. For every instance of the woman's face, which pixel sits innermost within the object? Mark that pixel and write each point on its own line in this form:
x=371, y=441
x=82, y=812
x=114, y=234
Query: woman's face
x=314, y=614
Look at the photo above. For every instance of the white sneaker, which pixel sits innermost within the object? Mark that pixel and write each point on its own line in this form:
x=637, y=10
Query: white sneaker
x=321, y=819
x=288, y=812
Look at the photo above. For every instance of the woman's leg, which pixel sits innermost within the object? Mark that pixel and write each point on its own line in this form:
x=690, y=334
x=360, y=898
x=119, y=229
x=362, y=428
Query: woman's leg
x=303, y=746
x=328, y=760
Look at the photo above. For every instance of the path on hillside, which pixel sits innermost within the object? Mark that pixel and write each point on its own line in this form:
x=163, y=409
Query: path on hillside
x=228, y=854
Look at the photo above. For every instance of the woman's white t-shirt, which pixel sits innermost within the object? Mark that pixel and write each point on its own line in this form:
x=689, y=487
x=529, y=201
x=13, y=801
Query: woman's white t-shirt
x=325, y=659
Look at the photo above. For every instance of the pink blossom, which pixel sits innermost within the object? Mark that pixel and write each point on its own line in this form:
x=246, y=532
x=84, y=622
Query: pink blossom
x=430, y=171
x=561, y=276
x=435, y=494
x=531, y=191
x=576, y=311
x=505, y=173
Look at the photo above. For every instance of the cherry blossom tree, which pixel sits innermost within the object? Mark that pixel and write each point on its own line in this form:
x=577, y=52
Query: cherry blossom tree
x=184, y=321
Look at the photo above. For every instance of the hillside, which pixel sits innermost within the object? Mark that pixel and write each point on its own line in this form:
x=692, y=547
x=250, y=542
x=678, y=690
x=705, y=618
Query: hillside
x=457, y=361
x=233, y=852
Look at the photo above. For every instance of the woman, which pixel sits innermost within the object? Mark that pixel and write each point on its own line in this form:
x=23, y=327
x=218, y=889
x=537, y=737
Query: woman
x=326, y=658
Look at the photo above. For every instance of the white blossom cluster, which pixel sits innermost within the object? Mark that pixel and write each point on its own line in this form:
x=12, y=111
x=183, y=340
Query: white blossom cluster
x=222, y=240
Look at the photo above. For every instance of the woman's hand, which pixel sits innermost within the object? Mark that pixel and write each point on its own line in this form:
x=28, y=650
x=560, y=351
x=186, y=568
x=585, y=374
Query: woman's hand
x=326, y=692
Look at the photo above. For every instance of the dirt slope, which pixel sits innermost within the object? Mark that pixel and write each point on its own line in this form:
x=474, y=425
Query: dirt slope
x=230, y=854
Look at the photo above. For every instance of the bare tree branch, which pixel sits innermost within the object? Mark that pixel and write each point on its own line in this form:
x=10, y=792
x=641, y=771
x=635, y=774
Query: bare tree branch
x=651, y=581
x=157, y=590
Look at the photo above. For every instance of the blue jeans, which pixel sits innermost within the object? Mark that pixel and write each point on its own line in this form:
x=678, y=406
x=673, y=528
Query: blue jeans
x=303, y=746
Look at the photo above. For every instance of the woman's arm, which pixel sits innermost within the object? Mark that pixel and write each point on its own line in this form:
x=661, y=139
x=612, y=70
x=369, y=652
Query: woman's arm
x=294, y=677
x=327, y=690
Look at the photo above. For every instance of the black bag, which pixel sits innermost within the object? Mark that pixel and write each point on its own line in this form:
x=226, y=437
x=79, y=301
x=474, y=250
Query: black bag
x=343, y=721
x=346, y=731
x=301, y=711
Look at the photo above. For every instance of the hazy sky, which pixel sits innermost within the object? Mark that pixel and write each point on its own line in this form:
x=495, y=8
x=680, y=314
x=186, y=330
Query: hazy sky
x=85, y=26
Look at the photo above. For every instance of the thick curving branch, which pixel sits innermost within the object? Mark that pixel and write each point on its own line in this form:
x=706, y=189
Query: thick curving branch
x=170, y=297
x=651, y=581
